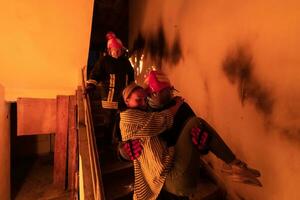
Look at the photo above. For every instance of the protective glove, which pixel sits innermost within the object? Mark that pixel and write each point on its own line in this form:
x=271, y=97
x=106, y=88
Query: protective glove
x=200, y=138
x=132, y=149
x=89, y=88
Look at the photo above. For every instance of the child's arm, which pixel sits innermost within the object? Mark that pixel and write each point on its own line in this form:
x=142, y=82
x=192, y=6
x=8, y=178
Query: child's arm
x=136, y=124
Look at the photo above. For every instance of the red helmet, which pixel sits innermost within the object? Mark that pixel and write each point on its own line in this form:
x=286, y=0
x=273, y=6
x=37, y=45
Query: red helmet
x=114, y=43
x=156, y=81
x=110, y=35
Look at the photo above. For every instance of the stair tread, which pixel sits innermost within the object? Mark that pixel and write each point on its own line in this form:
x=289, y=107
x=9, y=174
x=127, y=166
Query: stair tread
x=109, y=160
x=117, y=185
x=115, y=166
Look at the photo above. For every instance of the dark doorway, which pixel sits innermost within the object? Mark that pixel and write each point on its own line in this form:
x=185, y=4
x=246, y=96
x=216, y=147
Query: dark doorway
x=108, y=15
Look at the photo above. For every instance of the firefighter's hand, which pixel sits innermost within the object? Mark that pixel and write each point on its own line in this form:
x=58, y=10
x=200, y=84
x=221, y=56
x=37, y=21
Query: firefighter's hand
x=90, y=87
x=132, y=149
x=200, y=138
x=178, y=102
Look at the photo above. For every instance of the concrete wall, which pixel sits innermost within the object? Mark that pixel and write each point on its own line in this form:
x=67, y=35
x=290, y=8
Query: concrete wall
x=44, y=44
x=4, y=147
x=237, y=64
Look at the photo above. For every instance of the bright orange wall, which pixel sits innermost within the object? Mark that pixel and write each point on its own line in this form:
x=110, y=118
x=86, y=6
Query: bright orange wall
x=4, y=147
x=43, y=46
x=263, y=127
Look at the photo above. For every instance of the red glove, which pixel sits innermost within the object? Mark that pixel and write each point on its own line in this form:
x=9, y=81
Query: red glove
x=133, y=149
x=199, y=138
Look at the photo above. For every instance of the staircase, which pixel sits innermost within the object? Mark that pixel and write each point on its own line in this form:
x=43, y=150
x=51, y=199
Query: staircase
x=117, y=175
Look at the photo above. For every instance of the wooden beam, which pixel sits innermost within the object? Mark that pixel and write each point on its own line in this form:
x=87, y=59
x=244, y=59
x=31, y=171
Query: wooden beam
x=61, y=138
x=83, y=147
x=86, y=165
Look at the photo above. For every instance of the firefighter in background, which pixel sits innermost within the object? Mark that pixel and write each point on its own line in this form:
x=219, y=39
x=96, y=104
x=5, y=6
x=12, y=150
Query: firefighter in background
x=203, y=136
x=114, y=72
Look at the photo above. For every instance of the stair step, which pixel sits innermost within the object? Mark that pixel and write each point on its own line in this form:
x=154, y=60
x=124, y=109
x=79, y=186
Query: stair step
x=110, y=161
x=99, y=117
x=119, y=185
x=114, y=167
x=117, y=175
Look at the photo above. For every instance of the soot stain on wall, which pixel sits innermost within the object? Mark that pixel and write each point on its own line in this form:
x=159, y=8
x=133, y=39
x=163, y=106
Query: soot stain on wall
x=238, y=67
x=290, y=133
x=155, y=45
x=139, y=43
x=175, y=53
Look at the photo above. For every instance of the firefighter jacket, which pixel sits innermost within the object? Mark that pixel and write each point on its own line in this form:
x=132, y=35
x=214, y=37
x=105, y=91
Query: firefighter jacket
x=113, y=74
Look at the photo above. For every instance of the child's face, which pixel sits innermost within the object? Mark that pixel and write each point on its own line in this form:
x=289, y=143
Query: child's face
x=137, y=99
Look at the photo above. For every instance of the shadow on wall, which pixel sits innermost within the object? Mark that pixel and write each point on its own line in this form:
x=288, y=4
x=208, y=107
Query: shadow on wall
x=19, y=168
x=25, y=151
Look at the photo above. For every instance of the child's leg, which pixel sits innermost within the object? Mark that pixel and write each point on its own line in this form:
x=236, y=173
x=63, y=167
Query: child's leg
x=185, y=173
x=216, y=144
x=182, y=179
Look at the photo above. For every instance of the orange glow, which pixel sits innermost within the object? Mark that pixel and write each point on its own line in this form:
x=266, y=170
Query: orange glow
x=44, y=45
x=208, y=32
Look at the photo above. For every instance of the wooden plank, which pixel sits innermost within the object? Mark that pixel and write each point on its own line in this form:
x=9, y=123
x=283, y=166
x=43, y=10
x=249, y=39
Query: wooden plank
x=86, y=165
x=36, y=116
x=61, y=138
x=72, y=144
x=86, y=191
x=90, y=174
x=80, y=115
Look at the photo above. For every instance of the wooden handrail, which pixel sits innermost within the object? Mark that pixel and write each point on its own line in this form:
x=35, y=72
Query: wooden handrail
x=94, y=164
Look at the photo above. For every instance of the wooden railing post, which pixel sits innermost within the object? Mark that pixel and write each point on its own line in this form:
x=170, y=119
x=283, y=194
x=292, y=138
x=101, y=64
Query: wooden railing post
x=61, y=139
x=89, y=155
